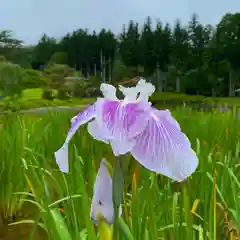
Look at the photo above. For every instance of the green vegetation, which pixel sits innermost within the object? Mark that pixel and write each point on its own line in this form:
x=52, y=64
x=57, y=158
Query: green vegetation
x=158, y=209
x=32, y=93
x=18, y=105
x=33, y=98
x=197, y=59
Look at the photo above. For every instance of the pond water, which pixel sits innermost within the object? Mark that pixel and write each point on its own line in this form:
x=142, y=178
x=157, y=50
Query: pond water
x=23, y=231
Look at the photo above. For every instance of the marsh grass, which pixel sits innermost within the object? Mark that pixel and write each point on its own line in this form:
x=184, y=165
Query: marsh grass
x=205, y=206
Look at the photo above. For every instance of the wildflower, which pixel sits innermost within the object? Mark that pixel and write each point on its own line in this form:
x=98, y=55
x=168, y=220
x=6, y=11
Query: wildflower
x=112, y=117
x=102, y=204
x=153, y=137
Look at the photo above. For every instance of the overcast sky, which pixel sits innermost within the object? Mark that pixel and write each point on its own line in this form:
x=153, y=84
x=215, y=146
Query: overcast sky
x=29, y=19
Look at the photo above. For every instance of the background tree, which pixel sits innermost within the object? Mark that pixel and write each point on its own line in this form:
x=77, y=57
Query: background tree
x=59, y=58
x=148, y=58
x=195, y=59
x=180, y=54
x=228, y=31
x=43, y=51
x=130, y=47
x=11, y=79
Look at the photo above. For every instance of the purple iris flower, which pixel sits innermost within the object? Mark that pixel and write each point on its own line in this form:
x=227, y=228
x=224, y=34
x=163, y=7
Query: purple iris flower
x=102, y=196
x=132, y=125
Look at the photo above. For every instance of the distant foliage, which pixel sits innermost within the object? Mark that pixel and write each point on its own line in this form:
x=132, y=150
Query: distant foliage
x=59, y=58
x=34, y=79
x=64, y=93
x=79, y=89
x=48, y=94
x=2, y=58
x=196, y=58
x=11, y=79
x=57, y=73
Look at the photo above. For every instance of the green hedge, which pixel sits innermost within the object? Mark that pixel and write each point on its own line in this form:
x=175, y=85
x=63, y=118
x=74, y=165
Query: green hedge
x=157, y=99
x=18, y=105
x=175, y=98
x=179, y=98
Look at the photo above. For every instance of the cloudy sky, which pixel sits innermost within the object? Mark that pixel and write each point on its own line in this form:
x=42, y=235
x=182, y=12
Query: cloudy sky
x=29, y=19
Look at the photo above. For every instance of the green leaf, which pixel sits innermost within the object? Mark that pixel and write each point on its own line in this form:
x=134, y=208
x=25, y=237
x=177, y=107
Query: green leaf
x=63, y=233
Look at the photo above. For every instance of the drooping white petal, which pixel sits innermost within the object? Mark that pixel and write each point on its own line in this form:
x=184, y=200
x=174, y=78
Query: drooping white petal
x=164, y=149
x=102, y=196
x=108, y=91
x=62, y=154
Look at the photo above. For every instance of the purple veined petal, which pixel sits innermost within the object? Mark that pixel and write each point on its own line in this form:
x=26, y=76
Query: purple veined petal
x=164, y=149
x=106, y=116
x=132, y=118
x=95, y=130
x=168, y=116
x=120, y=122
x=62, y=154
x=102, y=196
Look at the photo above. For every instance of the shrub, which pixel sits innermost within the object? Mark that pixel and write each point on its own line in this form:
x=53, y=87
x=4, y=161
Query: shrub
x=79, y=88
x=48, y=94
x=64, y=94
x=56, y=73
x=11, y=79
x=172, y=98
x=34, y=79
x=92, y=92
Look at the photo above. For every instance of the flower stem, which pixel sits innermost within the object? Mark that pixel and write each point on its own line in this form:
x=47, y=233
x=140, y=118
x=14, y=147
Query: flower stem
x=118, y=184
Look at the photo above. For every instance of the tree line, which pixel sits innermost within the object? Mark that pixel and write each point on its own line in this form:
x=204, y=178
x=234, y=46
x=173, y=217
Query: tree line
x=196, y=58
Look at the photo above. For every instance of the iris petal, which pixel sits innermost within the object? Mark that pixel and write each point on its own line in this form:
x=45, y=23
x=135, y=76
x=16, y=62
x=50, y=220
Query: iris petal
x=163, y=148
x=108, y=91
x=95, y=130
x=62, y=154
x=120, y=122
x=102, y=196
x=145, y=89
x=132, y=118
x=106, y=116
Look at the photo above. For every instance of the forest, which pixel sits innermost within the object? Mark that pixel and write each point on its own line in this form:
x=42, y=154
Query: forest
x=196, y=59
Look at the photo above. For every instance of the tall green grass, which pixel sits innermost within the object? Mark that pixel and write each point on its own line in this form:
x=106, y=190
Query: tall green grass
x=205, y=206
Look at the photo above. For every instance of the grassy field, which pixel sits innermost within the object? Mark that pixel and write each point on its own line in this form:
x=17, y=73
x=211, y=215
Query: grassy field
x=39, y=202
